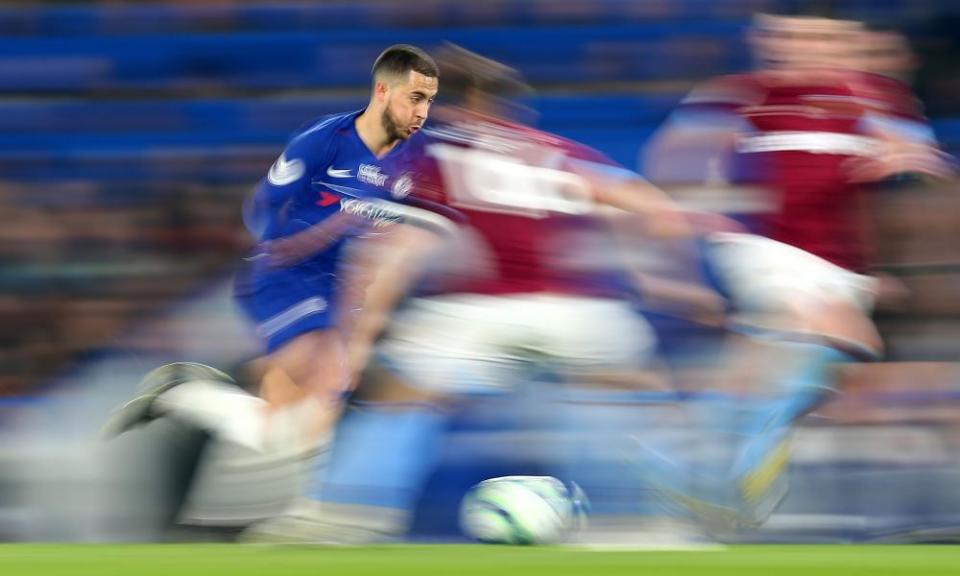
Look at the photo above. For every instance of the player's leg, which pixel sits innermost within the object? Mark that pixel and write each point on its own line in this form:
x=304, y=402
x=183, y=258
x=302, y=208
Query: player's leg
x=301, y=372
x=303, y=368
x=803, y=316
x=386, y=446
x=197, y=394
x=389, y=439
x=286, y=433
x=616, y=412
x=303, y=384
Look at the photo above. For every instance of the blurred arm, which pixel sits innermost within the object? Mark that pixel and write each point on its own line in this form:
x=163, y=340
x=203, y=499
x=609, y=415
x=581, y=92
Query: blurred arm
x=287, y=182
x=660, y=219
x=386, y=267
x=300, y=246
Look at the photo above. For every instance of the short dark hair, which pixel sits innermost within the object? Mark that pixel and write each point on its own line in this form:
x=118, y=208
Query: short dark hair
x=400, y=59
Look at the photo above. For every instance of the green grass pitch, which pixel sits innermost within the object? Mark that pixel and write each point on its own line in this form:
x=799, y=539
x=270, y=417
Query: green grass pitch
x=466, y=560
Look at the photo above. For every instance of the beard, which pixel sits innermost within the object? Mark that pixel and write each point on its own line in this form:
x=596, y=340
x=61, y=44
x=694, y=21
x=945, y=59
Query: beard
x=390, y=126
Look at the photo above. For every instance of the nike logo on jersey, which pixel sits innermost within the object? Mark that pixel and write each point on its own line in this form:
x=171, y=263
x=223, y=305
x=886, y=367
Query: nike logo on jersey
x=338, y=173
x=285, y=171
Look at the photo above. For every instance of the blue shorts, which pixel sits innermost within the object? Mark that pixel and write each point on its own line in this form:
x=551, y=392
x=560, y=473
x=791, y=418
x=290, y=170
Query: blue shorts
x=284, y=304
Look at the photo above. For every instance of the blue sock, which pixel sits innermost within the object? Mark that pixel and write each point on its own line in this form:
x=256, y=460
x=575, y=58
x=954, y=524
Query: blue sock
x=771, y=419
x=382, y=456
x=616, y=451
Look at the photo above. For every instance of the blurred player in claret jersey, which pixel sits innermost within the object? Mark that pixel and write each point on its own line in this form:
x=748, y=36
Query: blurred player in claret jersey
x=817, y=125
x=469, y=301
x=297, y=286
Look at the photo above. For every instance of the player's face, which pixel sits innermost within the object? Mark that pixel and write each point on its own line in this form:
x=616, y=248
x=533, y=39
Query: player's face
x=887, y=53
x=792, y=43
x=407, y=105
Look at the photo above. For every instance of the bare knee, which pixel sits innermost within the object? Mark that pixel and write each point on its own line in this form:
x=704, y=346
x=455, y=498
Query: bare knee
x=313, y=363
x=844, y=324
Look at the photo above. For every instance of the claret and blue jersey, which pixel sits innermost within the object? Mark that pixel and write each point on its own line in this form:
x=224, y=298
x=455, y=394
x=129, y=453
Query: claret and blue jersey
x=322, y=169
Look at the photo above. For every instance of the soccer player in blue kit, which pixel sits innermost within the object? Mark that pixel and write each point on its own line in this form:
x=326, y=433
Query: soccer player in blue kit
x=298, y=286
x=293, y=286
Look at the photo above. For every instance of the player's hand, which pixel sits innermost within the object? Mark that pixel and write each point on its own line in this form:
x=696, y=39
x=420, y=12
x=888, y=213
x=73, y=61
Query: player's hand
x=897, y=156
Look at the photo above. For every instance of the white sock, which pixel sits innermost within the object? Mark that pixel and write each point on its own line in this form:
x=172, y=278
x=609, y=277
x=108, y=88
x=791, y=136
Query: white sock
x=290, y=428
x=220, y=408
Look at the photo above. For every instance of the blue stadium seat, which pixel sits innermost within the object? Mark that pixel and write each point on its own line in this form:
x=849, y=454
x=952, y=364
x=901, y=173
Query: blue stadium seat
x=558, y=54
x=160, y=18
x=122, y=139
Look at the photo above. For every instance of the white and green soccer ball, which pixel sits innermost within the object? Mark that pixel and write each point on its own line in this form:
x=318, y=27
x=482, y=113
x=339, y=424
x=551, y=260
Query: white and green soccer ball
x=521, y=510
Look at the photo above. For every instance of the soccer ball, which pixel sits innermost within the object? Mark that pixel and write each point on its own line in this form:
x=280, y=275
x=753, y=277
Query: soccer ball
x=520, y=510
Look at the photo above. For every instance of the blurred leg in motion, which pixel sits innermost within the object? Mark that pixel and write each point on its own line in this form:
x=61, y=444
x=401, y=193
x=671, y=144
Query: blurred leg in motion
x=387, y=444
x=801, y=317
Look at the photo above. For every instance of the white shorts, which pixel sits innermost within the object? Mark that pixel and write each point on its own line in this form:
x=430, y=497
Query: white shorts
x=468, y=343
x=767, y=279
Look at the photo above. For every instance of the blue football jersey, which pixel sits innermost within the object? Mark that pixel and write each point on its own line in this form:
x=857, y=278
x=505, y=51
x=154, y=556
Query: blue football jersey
x=322, y=167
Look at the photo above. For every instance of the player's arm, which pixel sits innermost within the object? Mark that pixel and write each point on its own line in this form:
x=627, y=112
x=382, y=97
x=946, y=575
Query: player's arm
x=297, y=247
x=623, y=190
x=899, y=152
x=687, y=299
x=637, y=197
x=632, y=196
x=288, y=178
x=386, y=265
x=696, y=141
